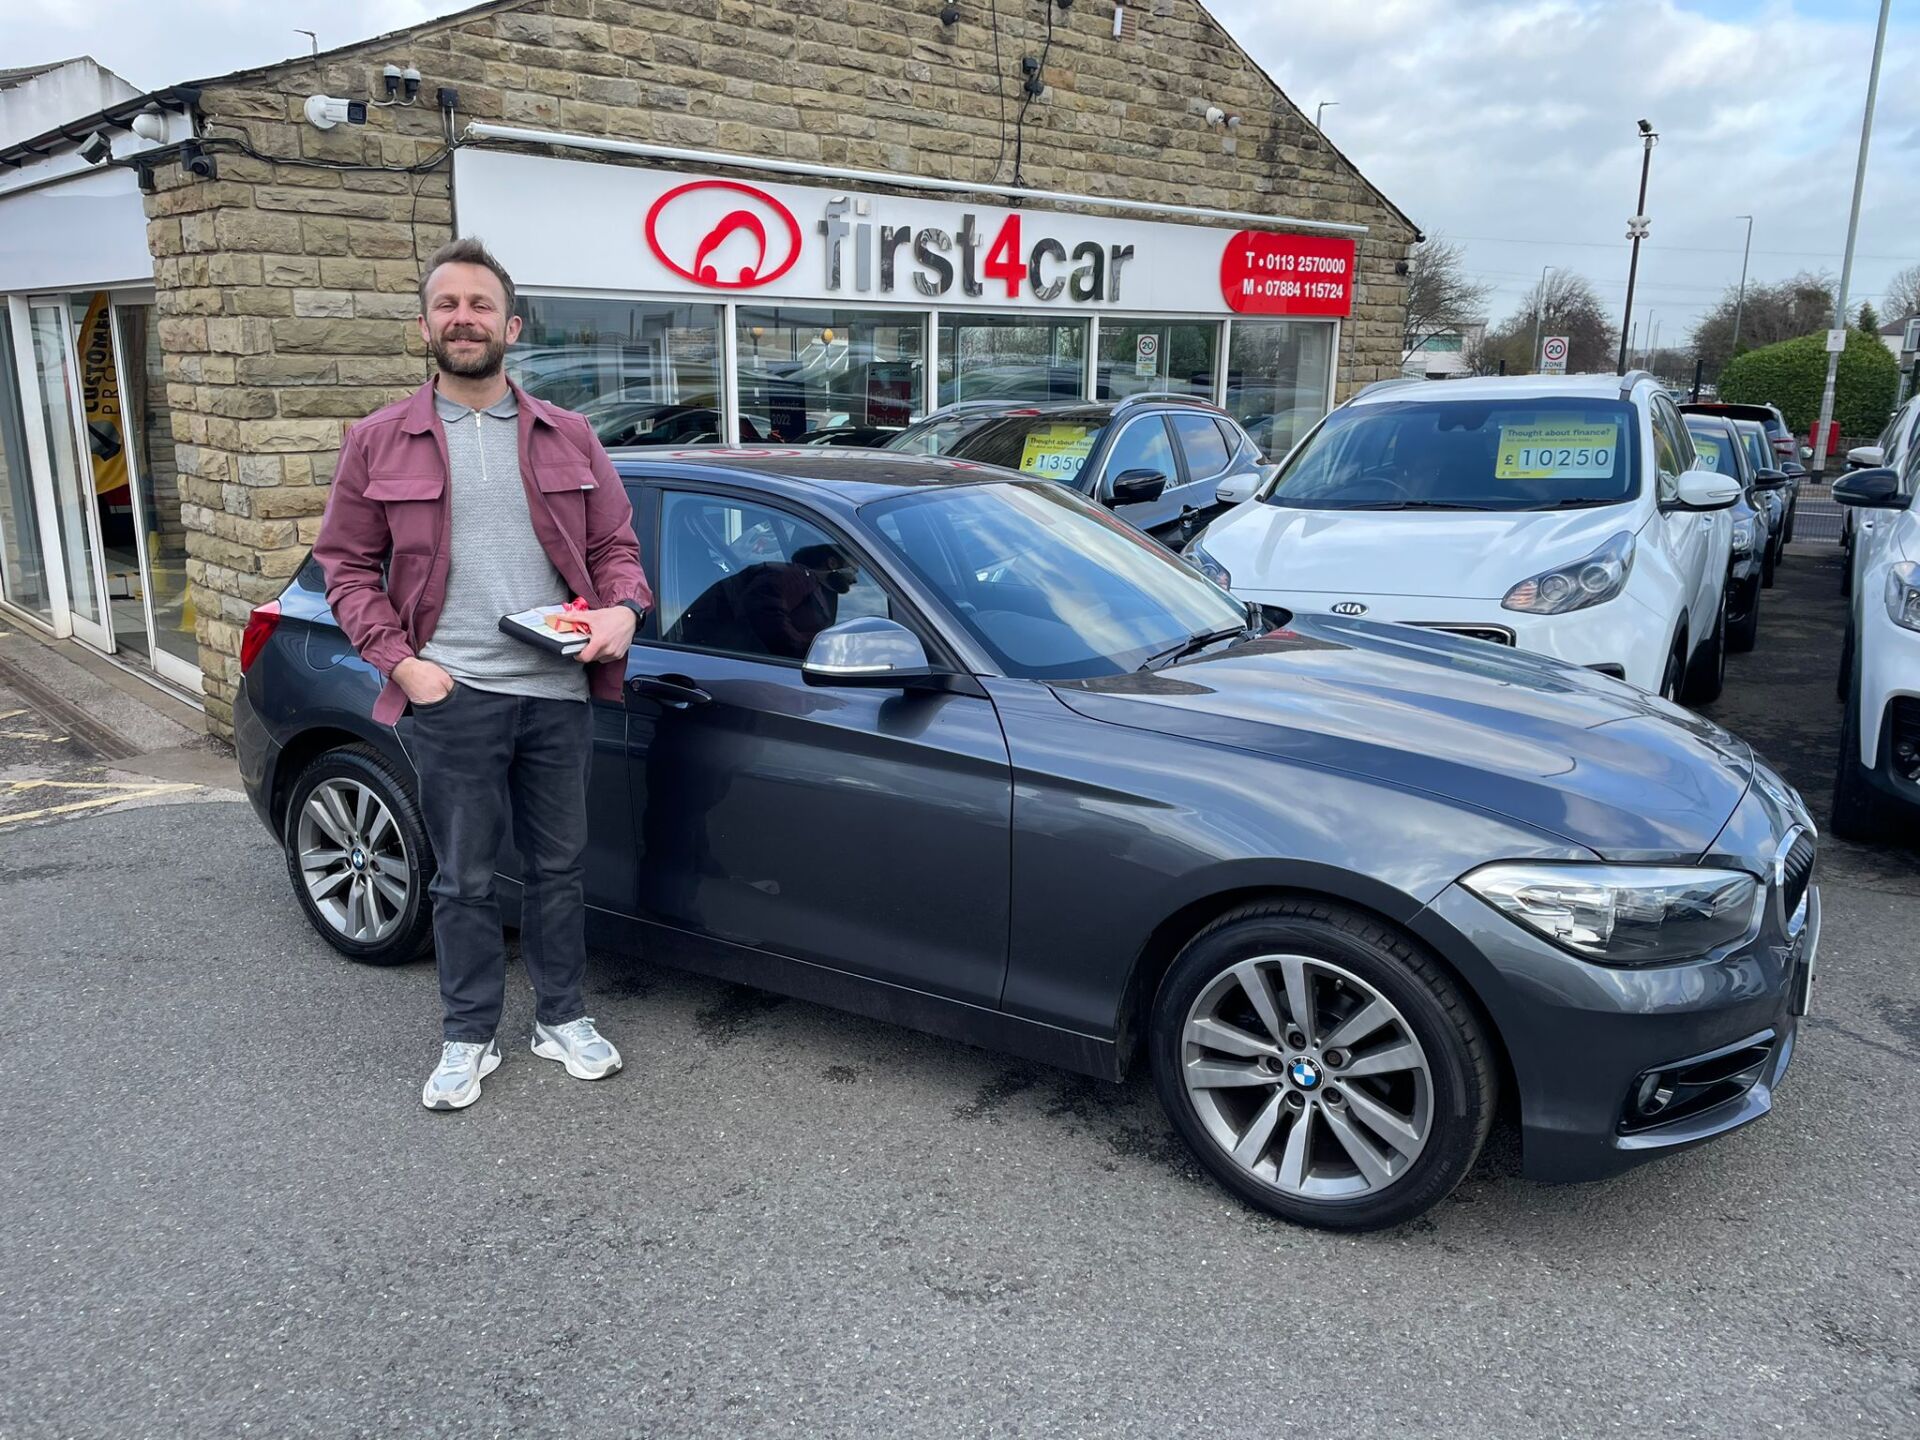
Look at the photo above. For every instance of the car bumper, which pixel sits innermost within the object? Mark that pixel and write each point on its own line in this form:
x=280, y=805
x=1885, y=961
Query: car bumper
x=1581, y=1037
x=1622, y=636
x=257, y=753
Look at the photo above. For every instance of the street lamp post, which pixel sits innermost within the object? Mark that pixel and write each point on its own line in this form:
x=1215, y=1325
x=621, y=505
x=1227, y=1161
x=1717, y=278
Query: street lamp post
x=1539, y=304
x=1853, y=229
x=1320, y=110
x=1741, y=300
x=1636, y=232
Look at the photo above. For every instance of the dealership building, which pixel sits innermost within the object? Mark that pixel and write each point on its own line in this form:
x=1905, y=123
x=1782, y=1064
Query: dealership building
x=727, y=220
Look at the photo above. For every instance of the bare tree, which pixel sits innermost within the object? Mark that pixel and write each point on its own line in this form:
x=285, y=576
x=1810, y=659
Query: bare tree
x=1441, y=299
x=1566, y=304
x=1780, y=311
x=1902, y=300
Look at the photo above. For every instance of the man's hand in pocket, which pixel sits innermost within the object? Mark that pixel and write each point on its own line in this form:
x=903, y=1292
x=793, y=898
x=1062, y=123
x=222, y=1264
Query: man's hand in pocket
x=425, y=682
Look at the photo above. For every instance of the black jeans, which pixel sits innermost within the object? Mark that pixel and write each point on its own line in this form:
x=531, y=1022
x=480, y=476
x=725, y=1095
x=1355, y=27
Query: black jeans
x=480, y=755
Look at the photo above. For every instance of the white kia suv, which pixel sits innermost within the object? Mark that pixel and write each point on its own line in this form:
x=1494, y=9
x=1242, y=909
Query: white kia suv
x=1560, y=514
x=1878, y=780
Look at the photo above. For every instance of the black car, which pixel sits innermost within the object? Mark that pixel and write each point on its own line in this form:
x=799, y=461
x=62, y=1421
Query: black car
x=1720, y=448
x=1157, y=461
x=1036, y=784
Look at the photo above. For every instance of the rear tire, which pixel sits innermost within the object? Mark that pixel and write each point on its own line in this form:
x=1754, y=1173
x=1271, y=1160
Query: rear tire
x=353, y=801
x=1432, y=1084
x=1707, y=675
x=1744, y=633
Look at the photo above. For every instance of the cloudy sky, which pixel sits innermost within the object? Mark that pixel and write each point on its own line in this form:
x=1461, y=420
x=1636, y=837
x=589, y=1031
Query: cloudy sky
x=1507, y=125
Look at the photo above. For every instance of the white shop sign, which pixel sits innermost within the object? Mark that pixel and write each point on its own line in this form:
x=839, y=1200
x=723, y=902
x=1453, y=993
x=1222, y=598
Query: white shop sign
x=570, y=224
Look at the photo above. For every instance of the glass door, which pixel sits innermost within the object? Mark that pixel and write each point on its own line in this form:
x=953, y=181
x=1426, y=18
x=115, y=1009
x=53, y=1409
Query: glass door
x=23, y=564
x=74, y=478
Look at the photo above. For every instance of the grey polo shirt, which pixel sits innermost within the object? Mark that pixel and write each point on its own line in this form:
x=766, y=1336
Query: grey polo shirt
x=497, y=564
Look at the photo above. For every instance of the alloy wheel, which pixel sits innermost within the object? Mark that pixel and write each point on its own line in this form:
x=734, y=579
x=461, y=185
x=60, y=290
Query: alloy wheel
x=1308, y=1077
x=353, y=860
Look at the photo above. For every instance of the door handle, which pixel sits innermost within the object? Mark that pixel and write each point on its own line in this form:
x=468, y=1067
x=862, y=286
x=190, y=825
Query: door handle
x=676, y=692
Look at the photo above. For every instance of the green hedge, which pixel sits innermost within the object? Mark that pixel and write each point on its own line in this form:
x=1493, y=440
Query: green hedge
x=1792, y=374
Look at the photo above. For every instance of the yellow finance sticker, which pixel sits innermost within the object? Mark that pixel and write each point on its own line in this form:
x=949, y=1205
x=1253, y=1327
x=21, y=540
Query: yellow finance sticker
x=1556, y=450
x=1709, y=450
x=1056, y=452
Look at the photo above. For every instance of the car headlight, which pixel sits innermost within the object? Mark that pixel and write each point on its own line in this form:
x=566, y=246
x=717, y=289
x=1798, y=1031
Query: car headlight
x=1196, y=555
x=1624, y=914
x=1588, y=581
x=1743, y=536
x=1903, y=594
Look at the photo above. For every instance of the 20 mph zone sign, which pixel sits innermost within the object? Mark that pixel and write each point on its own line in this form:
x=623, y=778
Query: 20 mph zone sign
x=1553, y=355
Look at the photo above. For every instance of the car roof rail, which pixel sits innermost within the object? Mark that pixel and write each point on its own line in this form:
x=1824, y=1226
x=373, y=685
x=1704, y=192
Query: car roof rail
x=1633, y=378
x=1393, y=384
x=1162, y=397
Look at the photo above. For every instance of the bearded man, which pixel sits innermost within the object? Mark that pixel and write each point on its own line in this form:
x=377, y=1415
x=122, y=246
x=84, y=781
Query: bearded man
x=468, y=501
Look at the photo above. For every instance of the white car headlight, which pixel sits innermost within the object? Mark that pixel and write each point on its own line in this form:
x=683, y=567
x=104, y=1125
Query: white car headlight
x=1903, y=594
x=1587, y=581
x=1624, y=914
x=1196, y=555
x=1743, y=536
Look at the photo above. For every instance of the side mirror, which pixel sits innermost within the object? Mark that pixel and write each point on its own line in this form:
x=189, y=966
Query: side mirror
x=1875, y=489
x=1770, y=479
x=1866, y=457
x=1707, y=490
x=1806, y=452
x=870, y=652
x=1236, y=489
x=1138, y=487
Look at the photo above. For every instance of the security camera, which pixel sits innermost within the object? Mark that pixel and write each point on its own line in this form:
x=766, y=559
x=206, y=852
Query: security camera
x=150, y=125
x=950, y=14
x=96, y=149
x=198, y=162
x=1646, y=127
x=1215, y=115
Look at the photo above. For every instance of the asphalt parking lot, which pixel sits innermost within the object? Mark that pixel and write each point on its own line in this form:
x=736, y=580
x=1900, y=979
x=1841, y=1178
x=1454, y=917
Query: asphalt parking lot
x=226, y=1212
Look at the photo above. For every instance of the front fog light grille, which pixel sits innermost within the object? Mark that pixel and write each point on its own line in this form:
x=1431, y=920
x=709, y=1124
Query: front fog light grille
x=1906, y=739
x=1685, y=1088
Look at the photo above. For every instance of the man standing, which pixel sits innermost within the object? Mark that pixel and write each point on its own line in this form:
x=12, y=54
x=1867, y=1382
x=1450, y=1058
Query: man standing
x=468, y=501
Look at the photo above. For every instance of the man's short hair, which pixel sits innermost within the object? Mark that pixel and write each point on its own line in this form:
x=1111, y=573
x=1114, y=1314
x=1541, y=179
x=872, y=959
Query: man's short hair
x=465, y=251
x=821, y=557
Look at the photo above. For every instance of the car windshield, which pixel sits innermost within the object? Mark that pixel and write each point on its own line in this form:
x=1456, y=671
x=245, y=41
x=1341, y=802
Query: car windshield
x=1714, y=446
x=1544, y=454
x=1053, y=447
x=1051, y=585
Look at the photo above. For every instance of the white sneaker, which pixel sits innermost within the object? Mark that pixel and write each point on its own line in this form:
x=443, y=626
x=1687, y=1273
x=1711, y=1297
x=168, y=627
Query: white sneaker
x=587, y=1054
x=455, y=1082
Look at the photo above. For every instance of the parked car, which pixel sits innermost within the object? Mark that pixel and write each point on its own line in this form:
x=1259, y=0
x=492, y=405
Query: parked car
x=1157, y=461
x=1559, y=514
x=1720, y=448
x=1788, y=452
x=1041, y=787
x=1890, y=450
x=1773, y=487
x=1878, y=779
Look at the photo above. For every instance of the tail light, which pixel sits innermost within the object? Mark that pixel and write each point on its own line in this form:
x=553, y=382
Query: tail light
x=260, y=627
x=1784, y=445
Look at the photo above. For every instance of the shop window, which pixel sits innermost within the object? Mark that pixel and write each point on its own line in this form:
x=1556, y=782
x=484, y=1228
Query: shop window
x=1011, y=357
x=1278, y=374
x=1138, y=355
x=643, y=372
x=23, y=566
x=831, y=377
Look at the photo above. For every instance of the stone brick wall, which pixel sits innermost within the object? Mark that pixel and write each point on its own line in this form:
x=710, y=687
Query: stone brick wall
x=286, y=291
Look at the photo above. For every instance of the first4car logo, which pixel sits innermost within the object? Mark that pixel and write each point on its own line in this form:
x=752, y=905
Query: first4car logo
x=722, y=234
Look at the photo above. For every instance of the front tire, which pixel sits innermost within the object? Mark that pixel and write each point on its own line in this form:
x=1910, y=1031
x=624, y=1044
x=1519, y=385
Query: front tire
x=1743, y=634
x=1321, y=1066
x=358, y=857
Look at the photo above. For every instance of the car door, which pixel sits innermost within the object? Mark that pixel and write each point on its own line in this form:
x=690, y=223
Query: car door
x=1142, y=443
x=1204, y=457
x=1688, y=533
x=863, y=829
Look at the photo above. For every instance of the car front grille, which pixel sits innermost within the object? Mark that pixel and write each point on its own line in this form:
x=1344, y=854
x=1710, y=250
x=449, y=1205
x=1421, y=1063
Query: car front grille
x=1796, y=872
x=1492, y=634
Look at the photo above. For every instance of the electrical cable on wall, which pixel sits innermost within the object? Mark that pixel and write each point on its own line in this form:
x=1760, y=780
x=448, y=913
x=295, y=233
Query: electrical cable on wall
x=1035, y=84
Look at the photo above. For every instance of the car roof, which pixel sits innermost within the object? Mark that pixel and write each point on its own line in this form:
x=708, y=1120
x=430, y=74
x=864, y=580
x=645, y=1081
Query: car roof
x=849, y=473
x=1760, y=413
x=1502, y=387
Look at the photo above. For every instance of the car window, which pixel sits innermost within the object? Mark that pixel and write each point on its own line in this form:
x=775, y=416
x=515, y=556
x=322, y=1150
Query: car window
x=744, y=579
x=1716, y=448
x=1142, y=445
x=1759, y=449
x=1051, y=585
x=1050, y=446
x=1678, y=439
x=1553, y=452
x=1668, y=458
x=1230, y=434
x=1206, y=453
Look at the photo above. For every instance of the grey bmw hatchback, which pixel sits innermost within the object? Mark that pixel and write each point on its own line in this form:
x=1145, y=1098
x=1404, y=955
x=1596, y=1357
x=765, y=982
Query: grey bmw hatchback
x=955, y=748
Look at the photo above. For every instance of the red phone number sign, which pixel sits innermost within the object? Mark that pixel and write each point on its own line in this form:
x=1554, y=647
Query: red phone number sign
x=1266, y=274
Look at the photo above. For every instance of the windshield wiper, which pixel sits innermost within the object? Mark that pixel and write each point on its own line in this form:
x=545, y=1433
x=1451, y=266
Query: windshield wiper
x=1421, y=505
x=1188, y=646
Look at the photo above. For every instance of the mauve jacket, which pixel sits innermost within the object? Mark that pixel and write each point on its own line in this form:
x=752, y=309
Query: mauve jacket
x=389, y=505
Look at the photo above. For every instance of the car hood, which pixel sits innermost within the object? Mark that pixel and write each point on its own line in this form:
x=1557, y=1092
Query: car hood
x=1563, y=750
x=1466, y=554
